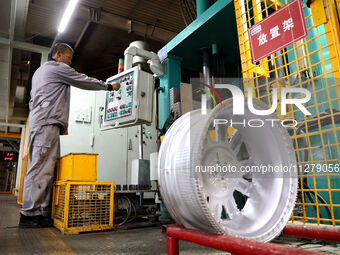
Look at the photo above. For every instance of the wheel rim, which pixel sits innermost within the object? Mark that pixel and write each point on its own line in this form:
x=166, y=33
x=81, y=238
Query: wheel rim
x=213, y=201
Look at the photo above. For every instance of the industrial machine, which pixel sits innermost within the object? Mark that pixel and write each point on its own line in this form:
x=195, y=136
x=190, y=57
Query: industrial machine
x=187, y=145
x=130, y=106
x=138, y=203
x=217, y=45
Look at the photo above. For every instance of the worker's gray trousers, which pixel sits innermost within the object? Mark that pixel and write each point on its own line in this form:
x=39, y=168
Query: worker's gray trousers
x=44, y=149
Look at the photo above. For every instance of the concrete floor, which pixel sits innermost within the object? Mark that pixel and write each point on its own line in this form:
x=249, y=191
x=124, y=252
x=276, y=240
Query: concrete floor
x=135, y=241
x=50, y=241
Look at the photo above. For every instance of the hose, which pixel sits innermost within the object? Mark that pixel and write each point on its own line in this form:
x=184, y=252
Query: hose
x=128, y=211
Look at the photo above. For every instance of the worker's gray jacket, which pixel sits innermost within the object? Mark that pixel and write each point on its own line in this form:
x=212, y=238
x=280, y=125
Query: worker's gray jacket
x=50, y=94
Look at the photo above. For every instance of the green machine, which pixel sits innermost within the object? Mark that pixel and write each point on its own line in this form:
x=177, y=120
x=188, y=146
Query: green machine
x=213, y=35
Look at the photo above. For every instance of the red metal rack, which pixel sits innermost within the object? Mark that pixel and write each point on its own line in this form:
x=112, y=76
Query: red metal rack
x=174, y=233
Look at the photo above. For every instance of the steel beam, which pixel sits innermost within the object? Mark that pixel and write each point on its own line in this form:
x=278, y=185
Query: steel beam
x=10, y=135
x=201, y=6
x=30, y=47
x=4, y=40
x=171, y=79
x=21, y=18
x=10, y=54
x=83, y=31
x=11, y=125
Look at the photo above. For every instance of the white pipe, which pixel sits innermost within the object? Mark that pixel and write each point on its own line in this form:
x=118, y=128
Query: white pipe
x=155, y=64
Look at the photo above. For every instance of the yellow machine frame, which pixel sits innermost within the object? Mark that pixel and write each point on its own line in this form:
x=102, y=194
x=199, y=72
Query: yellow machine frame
x=324, y=32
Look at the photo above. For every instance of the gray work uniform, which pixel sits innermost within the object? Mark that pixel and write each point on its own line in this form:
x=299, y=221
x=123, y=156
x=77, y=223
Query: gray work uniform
x=49, y=113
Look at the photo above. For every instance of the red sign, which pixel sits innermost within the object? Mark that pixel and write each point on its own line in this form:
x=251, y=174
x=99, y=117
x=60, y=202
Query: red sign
x=277, y=31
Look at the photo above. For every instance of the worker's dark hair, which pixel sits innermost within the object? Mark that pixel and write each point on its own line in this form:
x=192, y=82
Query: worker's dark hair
x=62, y=47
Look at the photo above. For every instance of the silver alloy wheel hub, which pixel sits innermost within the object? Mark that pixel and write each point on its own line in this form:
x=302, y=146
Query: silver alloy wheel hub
x=252, y=205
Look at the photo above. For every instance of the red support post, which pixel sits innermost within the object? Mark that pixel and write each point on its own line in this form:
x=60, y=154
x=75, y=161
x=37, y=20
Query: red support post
x=226, y=243
x=314, y=232
x=172, y=245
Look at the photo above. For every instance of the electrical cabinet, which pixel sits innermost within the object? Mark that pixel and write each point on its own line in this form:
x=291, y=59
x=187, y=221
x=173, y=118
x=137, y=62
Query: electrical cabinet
x=132, y=103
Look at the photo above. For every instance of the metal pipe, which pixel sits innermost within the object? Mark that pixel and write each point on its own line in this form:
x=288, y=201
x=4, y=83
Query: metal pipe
x=155, y=64
x=172, y=246
x=207, y=75
x=141, y=141
x=201, y=6
x=321, y=233
x=11, y=125
x=214, y=49
x=280, y=63
x=227, y=243
x=4, y=41
x=10, y=135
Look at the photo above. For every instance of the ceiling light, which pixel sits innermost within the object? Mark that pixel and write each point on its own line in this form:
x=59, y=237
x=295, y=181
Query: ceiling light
x=67, y=15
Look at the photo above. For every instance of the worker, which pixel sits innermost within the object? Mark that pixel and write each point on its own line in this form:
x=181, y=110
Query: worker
x=49, y=112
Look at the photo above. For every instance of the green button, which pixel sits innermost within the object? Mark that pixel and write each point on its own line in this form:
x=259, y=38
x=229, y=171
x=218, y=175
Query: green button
x=119, y=91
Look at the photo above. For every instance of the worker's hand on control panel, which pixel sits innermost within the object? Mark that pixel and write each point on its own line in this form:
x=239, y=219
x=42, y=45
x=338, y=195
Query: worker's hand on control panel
x=115, y=85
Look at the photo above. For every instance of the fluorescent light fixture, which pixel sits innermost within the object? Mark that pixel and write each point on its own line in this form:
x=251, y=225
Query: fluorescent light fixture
x=67, y=15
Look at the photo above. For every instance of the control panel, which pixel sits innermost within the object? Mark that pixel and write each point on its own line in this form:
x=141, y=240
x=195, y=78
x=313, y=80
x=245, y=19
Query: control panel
x=132, y=103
